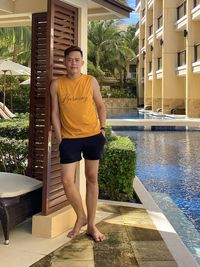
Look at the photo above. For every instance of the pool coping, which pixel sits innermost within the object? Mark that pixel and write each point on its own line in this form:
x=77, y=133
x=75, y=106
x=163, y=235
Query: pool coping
x=188, y=123
x=178, y=249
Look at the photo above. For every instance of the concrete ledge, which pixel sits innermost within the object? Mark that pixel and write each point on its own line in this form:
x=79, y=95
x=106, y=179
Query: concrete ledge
x=155, y=122
x=54, y=224
x=180, y=252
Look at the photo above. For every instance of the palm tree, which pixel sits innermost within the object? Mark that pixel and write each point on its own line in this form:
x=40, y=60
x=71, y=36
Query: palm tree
x=111, y=49
x=15, y=44
x=102, y=36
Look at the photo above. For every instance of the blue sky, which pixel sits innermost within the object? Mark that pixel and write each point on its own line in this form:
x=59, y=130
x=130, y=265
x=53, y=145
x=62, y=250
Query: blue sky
x=134, y=16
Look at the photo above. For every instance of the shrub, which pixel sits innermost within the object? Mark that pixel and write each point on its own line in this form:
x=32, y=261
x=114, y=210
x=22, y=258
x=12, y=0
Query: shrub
x=14, y=144
x=13, y=155
x=117, y=170
x=15, y=128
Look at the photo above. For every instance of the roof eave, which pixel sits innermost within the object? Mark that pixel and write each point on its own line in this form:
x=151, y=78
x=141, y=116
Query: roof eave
x=115, y=6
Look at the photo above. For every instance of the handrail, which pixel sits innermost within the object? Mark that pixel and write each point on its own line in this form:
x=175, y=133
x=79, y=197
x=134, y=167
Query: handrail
x=181, y=10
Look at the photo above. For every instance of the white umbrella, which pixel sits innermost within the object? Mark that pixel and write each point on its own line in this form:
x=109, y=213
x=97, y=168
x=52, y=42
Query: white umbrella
x=28, y=81
x=8, y=67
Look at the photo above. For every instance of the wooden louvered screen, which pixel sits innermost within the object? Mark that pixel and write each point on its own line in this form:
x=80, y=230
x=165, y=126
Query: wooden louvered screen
x=39, y=113
x=47, y=64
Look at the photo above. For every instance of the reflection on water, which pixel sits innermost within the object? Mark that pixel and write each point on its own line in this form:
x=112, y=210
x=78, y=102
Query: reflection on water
x=168, y=163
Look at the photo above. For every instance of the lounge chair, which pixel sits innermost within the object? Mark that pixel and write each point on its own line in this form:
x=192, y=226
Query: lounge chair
x=20, y=198
x=7, y=112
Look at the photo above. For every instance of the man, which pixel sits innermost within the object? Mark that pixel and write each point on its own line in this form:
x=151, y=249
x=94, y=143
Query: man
x=79, y=117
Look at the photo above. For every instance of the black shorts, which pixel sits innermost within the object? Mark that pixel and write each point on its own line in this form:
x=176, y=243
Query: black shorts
x=72, y=148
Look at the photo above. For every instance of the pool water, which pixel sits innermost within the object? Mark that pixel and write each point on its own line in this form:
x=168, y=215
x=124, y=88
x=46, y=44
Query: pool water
x=168, y=164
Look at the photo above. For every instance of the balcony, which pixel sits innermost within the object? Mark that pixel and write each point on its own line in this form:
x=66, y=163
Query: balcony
x=159, y=68
x=181, y=16
x=143, y=45
x=159, y=30
x=143, y=16
x=150, y=4
x=142, y=76
x=137, y=28
x=137, y=5
x=150, y=74
x=196, y=10
x=181, y=62
x=150, y=38
x=196, y=64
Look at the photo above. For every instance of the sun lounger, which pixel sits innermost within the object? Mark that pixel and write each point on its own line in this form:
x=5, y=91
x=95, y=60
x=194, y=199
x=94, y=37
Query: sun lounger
x=3, y=114
x=6, y=110
x=20, y=198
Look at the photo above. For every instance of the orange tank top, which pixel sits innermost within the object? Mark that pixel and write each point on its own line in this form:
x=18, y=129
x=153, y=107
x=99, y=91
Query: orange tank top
x=77, y=109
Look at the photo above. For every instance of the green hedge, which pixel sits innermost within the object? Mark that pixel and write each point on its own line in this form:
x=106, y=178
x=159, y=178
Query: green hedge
x=13, y=155
x=117, y=170
x=14, y=144
x=15, y=128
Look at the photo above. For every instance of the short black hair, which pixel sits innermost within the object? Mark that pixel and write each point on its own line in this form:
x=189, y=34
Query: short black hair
x=71, y=49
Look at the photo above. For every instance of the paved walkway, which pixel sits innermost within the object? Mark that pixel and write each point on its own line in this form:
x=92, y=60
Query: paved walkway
x=132, y=241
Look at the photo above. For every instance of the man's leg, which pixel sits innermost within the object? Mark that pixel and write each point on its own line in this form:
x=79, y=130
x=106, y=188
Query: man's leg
x=92, y=191
x=73, y=195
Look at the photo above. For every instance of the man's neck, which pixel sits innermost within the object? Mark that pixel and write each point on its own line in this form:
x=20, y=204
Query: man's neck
x=73, y=76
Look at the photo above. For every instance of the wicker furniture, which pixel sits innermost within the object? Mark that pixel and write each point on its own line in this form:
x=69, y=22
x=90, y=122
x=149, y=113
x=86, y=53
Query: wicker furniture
x=20, y=198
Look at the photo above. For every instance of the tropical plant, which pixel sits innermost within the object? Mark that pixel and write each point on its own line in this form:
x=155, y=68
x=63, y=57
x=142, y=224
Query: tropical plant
x=15, y=44
x=110, y=50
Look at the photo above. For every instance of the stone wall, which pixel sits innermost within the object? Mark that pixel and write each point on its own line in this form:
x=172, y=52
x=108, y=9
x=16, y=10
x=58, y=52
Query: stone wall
x=120, y=102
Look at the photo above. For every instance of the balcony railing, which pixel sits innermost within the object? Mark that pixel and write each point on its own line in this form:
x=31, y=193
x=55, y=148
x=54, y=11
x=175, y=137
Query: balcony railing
x=181, y=10
x=142, y=73
x=137, y=25
x=159, y=63
x=143, y=13
x=150, y=30
x=181, y=58
x=137, y=2
x=197, y=52
x=160, y=21
x=143, y=42
x=150, y=66
x=196, y=3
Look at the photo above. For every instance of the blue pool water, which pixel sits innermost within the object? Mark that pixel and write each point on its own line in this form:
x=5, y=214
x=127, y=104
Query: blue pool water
x=168, y=164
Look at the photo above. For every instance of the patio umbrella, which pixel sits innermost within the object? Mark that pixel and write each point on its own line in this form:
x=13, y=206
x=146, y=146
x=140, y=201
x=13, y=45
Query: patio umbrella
x=28, y=81
x=8, y=67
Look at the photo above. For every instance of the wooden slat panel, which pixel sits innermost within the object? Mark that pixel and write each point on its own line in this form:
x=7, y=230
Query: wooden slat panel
x=47, y=63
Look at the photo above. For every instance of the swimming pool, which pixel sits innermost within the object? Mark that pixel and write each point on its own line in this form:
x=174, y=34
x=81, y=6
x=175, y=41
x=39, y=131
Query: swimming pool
x=168, y=164
x=134, y=113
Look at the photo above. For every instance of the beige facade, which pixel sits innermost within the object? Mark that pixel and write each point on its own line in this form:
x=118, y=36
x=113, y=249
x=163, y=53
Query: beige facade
x=169, y=55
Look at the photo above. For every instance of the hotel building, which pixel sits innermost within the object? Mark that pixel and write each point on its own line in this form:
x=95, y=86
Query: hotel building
x=169, y=56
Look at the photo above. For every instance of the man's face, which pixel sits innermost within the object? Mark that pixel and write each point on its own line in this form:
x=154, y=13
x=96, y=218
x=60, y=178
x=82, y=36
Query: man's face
x=73, y=63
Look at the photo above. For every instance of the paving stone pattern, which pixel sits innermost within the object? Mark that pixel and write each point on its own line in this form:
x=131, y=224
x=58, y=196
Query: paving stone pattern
x=132, y=241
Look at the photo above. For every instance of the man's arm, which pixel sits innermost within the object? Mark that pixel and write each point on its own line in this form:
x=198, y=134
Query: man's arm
x=101, y=110
x=55, y=113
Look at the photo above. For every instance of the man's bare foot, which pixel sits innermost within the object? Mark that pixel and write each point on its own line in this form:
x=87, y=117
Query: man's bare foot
x=95, y=234
x=77, y=227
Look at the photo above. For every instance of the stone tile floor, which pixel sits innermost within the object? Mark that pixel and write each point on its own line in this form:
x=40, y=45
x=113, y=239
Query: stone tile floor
x=132, y=241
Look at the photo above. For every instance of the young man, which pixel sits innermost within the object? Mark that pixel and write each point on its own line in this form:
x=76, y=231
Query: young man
x=79, y=117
